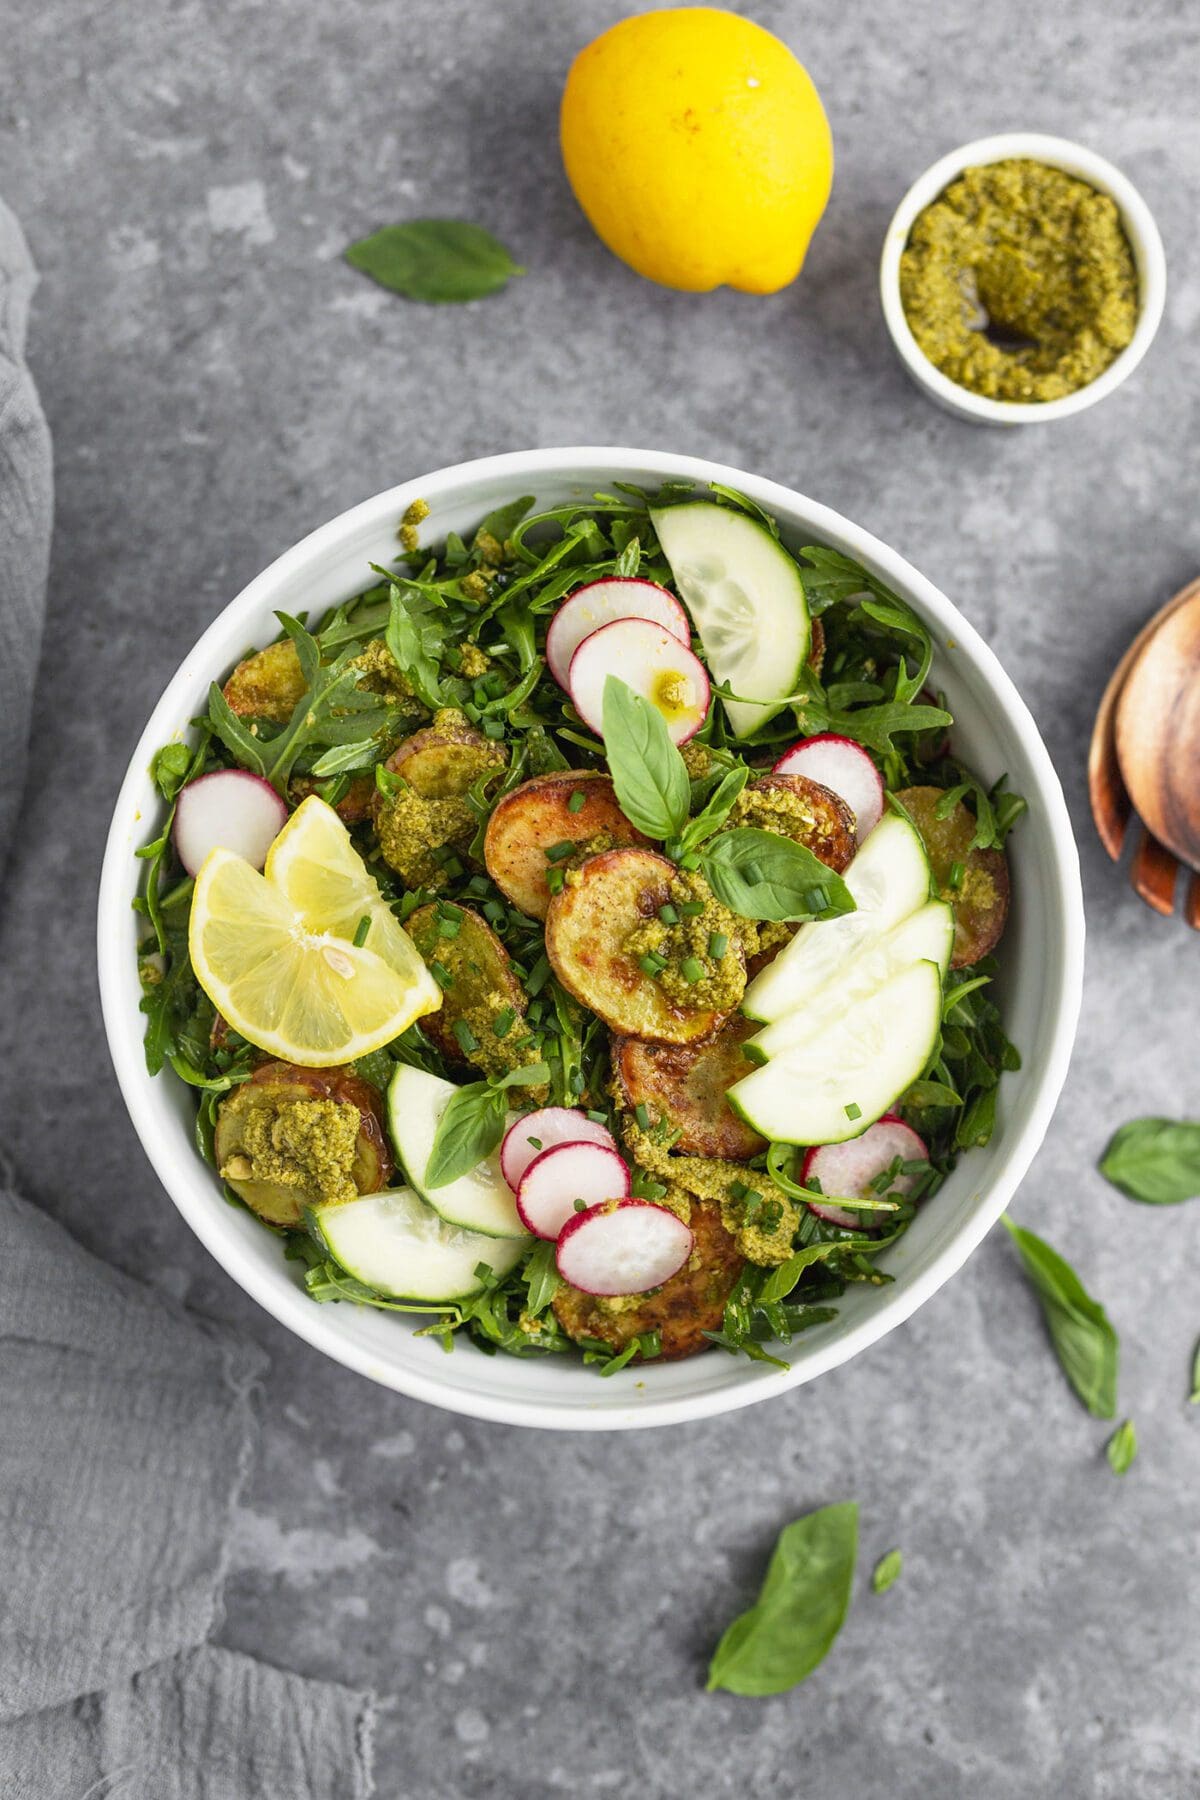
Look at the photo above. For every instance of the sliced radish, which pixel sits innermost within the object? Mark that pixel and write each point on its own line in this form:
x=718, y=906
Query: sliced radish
x=850, y=1168
x=602, y=602
x=227, y=810
x=844, y=766
x=557, y=1180
x=624, y=1248
x=543, y=1130
x=654, y=663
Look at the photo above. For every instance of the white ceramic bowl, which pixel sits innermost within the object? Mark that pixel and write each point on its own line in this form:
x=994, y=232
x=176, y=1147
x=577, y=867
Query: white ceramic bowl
x=1043, y=960
x=1144, y=241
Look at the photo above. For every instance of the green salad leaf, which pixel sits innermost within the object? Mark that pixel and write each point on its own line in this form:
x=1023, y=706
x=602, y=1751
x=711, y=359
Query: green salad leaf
x=886, y=1571
x=472, y=1123
x=1156, y=1161
x=1194, y=1396
x=435, y=260
x=763, y=875
x=802, y=1606
x=1122, y=1447
x=648, y=773
x=1079, y=1327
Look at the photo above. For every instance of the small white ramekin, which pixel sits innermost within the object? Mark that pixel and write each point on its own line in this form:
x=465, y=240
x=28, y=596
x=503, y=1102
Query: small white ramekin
x=1144, y=241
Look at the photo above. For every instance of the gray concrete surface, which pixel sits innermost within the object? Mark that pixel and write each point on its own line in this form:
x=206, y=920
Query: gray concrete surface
x=540, y=1609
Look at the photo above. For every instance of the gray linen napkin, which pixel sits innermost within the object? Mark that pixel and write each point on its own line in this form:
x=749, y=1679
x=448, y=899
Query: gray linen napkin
x=127, y=1422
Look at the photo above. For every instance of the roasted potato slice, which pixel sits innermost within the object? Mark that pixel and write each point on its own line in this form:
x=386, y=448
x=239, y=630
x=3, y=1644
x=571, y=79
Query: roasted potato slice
x=441, y=761
x=803, y=810
x=682, y=1310
x=685, y=1084
x=536, y=817
x=980, y=900
x=430, y=818
x=587, y=928
x=279, y=1084
x=267, y=685
x=355, y=805
x=482, y=986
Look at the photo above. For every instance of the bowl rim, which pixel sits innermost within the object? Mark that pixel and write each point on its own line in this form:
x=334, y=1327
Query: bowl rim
x=201, y=1206
x=1144, y=240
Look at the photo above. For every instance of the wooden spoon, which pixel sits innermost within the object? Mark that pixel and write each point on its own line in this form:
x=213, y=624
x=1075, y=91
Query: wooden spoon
x=1154, y=869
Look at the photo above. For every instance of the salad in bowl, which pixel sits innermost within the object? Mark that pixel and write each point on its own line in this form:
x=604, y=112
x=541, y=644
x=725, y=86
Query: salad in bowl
x=585, y=940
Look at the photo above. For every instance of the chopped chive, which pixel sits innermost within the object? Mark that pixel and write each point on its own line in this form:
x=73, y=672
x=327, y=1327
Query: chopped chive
x=581, y=1206
x=556, y=852
x=651, y=965
x=493, y=728
x=738, y=1190
x=536, y=1142
x=690, y=861
x=753, y=1206
x=816, y=899
x=468, y=1043
x=668, y=914
x=642, y=1116
x=577, y=802
x=538, y=976
x=691, y=970
x=452, y=868
x=576, y=1083
x=494, y=913
x=478, y=884
x=449, y=928
x=718, y=944
x=598, y=1118
x=361, y=930
x=504, y=1021
x=957, y=872
x=441, y=974
x=556, y=880
x=854, y=1111
x=690, y=909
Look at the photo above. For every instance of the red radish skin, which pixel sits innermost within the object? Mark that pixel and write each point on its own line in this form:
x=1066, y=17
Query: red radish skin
x=550, y=1126
x=622, y=1248
x=227, y=810
x=601, y=603
x=558, y=1179
x=843, y=766
x=653, y=662
x=850, y=1168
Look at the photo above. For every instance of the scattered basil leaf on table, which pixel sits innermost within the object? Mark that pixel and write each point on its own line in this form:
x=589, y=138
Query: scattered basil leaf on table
x=1079, y=1327
x=436, y=260
x=800, y=1610
x=1194, y=1396
x=886, y=1571
x=649, y=775
x=1122, y=1447
x=762, y=875
x=1155, y=1160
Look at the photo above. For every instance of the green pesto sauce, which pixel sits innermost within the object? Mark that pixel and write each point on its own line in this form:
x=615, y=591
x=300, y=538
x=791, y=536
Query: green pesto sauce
x=1018, y=282
x=721, y=981
x=308, y=1145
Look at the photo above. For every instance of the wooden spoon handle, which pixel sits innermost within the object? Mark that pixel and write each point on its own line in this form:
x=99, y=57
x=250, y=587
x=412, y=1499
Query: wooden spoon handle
x=1191, y=906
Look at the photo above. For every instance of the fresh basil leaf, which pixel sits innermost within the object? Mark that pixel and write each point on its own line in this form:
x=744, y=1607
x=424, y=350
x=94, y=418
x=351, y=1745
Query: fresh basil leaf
x=886, y=1571
x=648, y=773
x=469, y=1129
x=1194, y=1396
x=1155, y=1160
x=761, y=875
x=530, y=1075
x=802, y=1607
x=716, y=809
x=436, y=260
x=1122, y=1447
x=1080, y=1330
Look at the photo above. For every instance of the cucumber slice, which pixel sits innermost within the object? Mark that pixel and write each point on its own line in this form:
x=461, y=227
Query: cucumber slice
x=889, y=879
x=925, y=936
x=836, y=1083
x=401, y=1248
x=480, y=1200
x=746, y=599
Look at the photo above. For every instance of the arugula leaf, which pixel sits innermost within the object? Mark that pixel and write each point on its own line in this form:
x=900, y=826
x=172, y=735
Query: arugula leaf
x=1156, y=1161
x=435, y=260
x=415, y=641
x=501, y=523
x=762, y=875
x=1080, y=1330
x=169, y=768
x=802, y=1607
x=237, y=738
x=648, y=773
x=543, y=1278
x=1122, y=1447
x=886, y=1571
x=469, y=1129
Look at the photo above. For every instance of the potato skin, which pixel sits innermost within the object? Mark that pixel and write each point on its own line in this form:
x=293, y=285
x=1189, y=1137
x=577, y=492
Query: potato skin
x=535, y=816
x=682, y=1310
x=373, y=1161
x=587, y=925
x=685, y=1084
x=980, y=905
x=267, y=685
x=829, y=832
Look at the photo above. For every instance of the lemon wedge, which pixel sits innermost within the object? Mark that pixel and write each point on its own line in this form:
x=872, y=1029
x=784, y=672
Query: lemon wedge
x=275, y=952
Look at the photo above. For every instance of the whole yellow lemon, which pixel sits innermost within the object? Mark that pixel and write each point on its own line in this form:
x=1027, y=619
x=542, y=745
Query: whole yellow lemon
x=699, y=149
